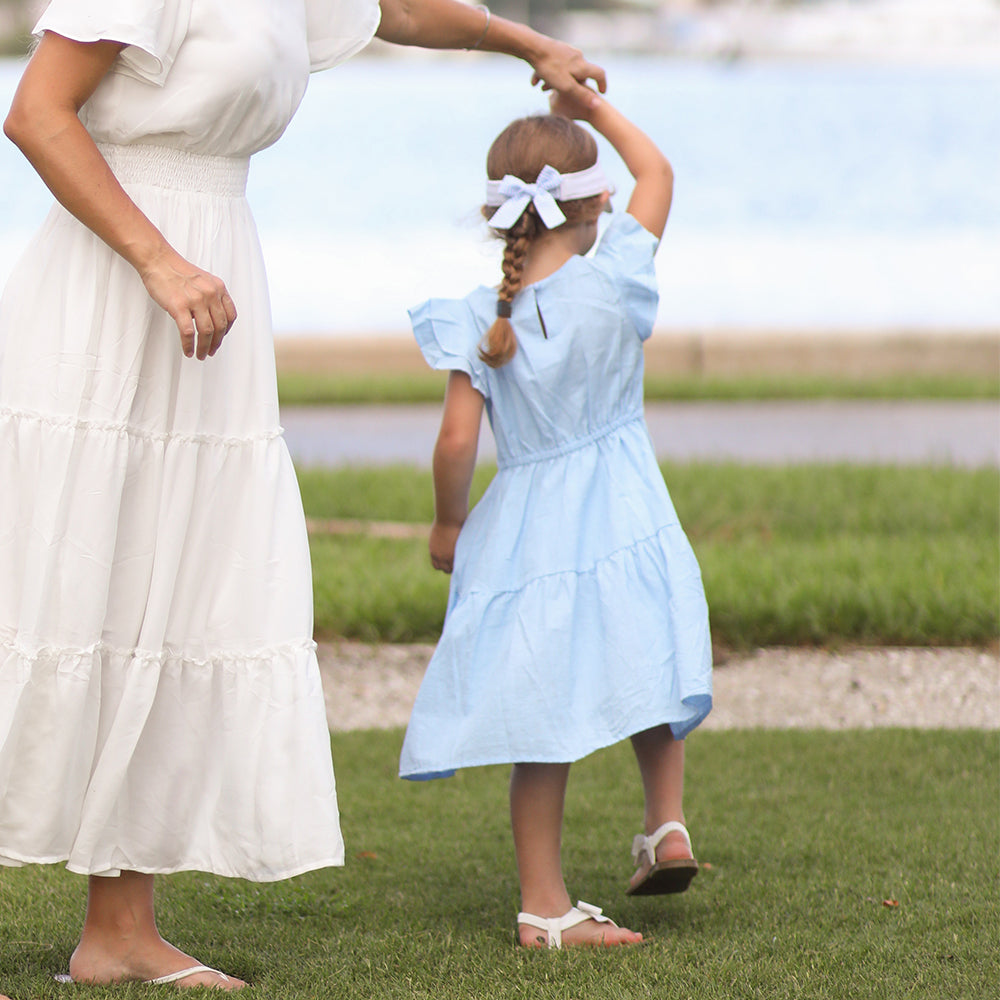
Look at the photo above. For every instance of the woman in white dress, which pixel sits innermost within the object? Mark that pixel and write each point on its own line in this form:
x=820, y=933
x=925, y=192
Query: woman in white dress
x=160, y=703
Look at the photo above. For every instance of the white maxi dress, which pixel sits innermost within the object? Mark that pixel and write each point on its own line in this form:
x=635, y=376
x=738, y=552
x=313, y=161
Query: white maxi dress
x=160, y=701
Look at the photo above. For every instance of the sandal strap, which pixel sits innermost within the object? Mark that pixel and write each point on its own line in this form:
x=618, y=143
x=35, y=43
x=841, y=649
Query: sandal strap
x=173, y=977
x=554, y=926
x=642, y=844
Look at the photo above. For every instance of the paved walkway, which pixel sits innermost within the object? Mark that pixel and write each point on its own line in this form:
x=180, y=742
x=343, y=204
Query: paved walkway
x=960, y=433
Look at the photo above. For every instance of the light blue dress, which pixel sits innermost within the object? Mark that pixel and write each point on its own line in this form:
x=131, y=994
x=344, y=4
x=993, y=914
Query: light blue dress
x=576, y=615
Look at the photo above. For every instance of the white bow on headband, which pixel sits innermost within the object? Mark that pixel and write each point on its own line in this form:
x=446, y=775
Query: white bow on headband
x=513, y=195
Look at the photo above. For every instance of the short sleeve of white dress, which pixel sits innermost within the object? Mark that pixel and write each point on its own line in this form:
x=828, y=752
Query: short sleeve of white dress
x=626, y=254
x=448, y=337
x=151, y=30
x=336, y=29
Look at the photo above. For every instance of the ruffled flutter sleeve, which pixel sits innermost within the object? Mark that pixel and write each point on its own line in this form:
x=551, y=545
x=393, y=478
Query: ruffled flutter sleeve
x=336, y=29
x=448, y=337
x=152, y=30
x=626, y=254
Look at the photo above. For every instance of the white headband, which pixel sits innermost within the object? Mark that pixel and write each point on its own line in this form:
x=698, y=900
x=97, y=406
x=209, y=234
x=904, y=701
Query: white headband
x=513, y=195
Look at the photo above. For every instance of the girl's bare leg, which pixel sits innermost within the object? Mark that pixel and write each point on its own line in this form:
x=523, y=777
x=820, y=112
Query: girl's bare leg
x=120, y=941
x=537, y=794
x=661, y=764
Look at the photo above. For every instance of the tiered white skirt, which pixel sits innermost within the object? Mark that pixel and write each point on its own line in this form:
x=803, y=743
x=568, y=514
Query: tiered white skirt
x=160, y=701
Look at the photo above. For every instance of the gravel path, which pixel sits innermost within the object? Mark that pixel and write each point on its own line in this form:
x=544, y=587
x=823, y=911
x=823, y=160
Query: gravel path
x=373, y=686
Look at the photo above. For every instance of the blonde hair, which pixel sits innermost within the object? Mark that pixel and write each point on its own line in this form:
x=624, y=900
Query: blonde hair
x=523, y=148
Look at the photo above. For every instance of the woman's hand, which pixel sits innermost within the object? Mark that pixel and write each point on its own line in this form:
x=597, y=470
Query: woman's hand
x=562, y=68
x=198, y=302
x=444, y=538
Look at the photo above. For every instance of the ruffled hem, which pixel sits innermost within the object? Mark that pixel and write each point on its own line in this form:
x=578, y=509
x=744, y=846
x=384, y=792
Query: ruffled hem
x=700, y=706
x=334, y=861
x=119, y=429
x=113, y=761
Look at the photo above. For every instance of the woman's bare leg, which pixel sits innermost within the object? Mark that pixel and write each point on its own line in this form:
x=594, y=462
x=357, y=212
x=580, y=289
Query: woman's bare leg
x=120, y=941
x=537, y=794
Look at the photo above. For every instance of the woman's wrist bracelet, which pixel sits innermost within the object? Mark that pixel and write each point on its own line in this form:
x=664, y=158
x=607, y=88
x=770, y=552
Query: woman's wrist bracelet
x=486, y=27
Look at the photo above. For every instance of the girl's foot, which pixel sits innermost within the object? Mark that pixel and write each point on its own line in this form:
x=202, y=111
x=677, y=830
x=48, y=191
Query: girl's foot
x=90, y=965
x=582, y=925
x=666, y=853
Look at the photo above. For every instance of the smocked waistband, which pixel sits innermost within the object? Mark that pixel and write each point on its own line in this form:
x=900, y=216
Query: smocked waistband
x=506, y=462
x=177, y=169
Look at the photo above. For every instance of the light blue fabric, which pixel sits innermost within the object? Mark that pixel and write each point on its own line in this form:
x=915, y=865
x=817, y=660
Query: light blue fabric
x=576, y=615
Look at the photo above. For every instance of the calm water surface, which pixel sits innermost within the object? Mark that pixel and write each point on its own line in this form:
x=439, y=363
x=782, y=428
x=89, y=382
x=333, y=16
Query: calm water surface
x=807, y=195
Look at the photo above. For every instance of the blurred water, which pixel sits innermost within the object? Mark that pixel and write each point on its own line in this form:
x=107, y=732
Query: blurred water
x=807, y=196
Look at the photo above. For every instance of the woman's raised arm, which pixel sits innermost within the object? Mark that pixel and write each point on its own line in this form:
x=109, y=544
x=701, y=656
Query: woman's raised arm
x=450, y=24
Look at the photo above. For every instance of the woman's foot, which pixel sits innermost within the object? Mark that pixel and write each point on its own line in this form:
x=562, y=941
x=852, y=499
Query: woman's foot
x=120, y=942
x=99, y=966
x=583, y=925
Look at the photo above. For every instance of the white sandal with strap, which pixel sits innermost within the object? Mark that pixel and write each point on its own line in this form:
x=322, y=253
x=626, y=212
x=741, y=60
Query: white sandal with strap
x=554, y=926
x=172, y=977
x=663, y=876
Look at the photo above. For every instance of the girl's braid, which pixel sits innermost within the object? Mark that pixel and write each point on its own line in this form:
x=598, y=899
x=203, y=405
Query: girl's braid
x=500, y=340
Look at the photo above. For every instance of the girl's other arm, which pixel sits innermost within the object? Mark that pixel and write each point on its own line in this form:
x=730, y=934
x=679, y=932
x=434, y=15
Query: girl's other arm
x=450, y=24
x=454, y=463
x=44, y=124
x=654, y=177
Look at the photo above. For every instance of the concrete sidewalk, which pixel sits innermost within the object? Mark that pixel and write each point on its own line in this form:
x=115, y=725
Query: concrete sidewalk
x=963, y=434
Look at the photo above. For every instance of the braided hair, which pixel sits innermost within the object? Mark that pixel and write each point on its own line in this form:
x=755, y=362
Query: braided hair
x=523, y=148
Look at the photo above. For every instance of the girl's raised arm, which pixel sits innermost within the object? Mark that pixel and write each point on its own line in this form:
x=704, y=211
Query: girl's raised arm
x=451, y=24
x=44, y=124
x=654, y=177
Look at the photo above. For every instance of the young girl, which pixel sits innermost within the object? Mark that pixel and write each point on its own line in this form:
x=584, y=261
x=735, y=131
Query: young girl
x=576, y=615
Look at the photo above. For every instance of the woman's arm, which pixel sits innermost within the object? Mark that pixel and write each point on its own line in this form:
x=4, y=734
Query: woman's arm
x=654, y=177
x=450, y=24
x=44, y=124
x=454, y=463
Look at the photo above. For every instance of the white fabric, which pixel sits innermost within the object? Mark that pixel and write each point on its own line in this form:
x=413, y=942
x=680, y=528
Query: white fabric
x=228, y=76
x=338, y=29
x=151, y=29
x=160, y=701
x=513, y=195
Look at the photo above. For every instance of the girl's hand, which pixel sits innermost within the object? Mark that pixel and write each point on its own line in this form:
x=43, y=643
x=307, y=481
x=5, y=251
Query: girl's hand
x=569, y=106
x=562, y=68
x=197, y=301
x=444, y=537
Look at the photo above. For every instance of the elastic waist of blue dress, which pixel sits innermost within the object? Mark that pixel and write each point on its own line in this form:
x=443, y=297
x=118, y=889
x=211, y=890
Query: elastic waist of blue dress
x=506, y=462
x=177, y=169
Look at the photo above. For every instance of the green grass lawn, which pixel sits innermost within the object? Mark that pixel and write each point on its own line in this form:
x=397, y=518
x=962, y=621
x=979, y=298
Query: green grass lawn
x=790, y=555
x=331, y=388
x=805, y=835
